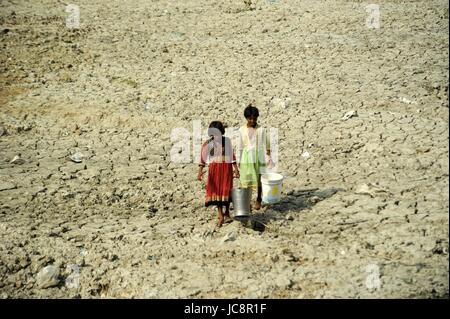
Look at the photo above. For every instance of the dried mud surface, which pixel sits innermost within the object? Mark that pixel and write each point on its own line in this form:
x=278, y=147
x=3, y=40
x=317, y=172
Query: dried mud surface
x=370, y=199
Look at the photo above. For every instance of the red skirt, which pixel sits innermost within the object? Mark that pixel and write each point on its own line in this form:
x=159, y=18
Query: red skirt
x=219, y=184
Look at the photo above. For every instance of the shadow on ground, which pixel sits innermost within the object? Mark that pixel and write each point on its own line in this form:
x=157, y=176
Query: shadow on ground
x=293, y=201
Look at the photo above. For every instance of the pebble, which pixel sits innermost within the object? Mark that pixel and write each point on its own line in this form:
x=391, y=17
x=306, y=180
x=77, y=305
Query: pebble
x=370, y=189
x=77, y=157
x=48, y=277
x=306, y=154
x=231, y=236
x=349, y=115
x=17, y=160
x=289, y=217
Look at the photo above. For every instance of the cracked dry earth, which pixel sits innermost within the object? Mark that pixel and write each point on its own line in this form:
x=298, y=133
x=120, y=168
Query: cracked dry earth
x=365, y=215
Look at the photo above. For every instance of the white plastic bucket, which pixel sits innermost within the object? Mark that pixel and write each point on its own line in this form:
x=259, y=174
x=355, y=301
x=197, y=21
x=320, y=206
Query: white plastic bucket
x=271, y=187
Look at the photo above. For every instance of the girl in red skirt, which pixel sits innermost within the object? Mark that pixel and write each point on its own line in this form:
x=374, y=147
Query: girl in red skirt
x=218, y=153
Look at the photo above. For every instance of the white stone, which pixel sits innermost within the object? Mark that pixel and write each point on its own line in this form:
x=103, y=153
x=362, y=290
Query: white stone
x=48, y=277
x=349, y=115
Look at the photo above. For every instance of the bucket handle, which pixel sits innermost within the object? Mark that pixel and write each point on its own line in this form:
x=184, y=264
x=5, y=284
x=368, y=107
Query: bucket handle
x=239, y=182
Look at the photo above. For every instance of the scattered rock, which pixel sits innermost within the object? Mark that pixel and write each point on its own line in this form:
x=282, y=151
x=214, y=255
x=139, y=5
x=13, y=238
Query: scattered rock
x=231, y=236
x=349, y=115
x=306, y=155
x=83, y=252
x=370, y=189
x=17, y=160
x=283, y=283
x=48, y=277
x=313, y=200
x=407, y=101
x=289, y=217
x=440, y=248
x=280, y=104
x=77, y=157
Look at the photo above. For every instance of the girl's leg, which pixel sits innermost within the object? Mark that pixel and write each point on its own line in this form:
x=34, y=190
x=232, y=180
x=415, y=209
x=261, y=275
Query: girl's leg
x=220, y=215
x=258, y=198
x=227, y=209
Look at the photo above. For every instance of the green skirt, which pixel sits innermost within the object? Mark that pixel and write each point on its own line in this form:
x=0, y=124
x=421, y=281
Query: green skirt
x=250, y=169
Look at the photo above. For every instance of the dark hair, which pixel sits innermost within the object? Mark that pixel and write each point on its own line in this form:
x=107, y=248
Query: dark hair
x=212, y=132
x=251, y=110
x=216, y=125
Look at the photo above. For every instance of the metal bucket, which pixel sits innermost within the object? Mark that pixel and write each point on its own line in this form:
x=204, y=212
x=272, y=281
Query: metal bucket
x=241, y=198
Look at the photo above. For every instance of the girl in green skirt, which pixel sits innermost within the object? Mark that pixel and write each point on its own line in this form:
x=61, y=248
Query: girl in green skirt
x=253, y=146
